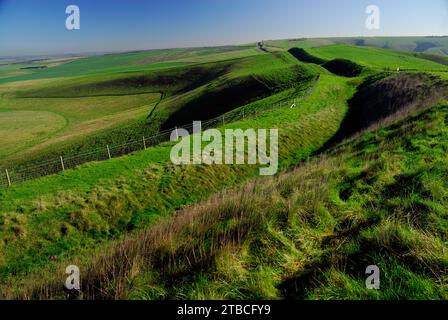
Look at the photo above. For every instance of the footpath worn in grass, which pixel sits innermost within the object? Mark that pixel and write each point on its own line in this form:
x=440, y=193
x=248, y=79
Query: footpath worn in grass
x=62, y=215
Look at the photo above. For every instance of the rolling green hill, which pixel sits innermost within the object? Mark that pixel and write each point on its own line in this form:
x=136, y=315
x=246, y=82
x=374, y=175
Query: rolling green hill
x=124, y=62
x=112, y=109
x=149, y=183
x=375, y=58
x=362, y=158
x=430, y=45
x=308, y=234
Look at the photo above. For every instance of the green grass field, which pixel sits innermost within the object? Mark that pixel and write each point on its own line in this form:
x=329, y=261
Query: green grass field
x=429, y=45
x=376, y=58
x=306, y=234
x=86, y=98
x=127, y=62
x=111, y=95
x=112, y=108
x=219, y=231
x=154, y=164
x=36, y=123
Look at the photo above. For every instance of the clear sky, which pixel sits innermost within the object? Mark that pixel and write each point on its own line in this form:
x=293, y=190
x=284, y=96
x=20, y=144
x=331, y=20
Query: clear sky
x=30, y=27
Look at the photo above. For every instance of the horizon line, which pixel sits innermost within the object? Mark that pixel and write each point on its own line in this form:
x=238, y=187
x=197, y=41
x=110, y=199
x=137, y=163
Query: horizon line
x=91, y=53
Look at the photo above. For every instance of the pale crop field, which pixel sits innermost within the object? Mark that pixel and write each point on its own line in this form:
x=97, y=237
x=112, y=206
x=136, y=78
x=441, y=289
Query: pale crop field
x=19, y=129
x=30, y=124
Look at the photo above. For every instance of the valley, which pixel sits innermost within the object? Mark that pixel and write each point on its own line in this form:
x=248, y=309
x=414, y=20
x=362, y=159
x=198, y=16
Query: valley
x=362, y=174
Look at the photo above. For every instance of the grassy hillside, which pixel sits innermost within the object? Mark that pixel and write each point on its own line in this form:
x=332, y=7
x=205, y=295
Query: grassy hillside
x=82, y=104
x=65, y=214
x=430, y=45
x=308, y=234
x=363, y=180
x=108, y=107
x=246, y=80
x=376, y=58
x=114, y=109
x=123, y=62
x=381, y=97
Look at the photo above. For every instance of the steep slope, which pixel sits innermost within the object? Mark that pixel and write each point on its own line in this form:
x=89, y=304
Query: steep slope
x=73, y=212
x=379, y=200
x=381, y=97
x=340, y=67
x=184, y=94
x=245, y=81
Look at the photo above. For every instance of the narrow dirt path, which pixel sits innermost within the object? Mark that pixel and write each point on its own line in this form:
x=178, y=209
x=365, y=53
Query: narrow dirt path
x=162, y=95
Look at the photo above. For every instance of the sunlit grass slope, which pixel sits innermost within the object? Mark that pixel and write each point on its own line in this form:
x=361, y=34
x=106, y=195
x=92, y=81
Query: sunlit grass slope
x=379, y=199
x=63, y=215
x=31, y=125
x=429, y=45
x=117, y=108
x=376, y=58
x=124, y=62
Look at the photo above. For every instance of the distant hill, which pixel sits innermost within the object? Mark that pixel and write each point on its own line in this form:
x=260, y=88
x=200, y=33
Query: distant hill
x=430, y=44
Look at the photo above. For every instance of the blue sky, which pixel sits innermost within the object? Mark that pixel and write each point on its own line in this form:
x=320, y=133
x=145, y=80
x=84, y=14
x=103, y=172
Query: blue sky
x=30, y=27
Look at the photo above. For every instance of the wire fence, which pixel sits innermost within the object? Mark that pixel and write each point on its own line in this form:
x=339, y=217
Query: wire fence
x=15, y=175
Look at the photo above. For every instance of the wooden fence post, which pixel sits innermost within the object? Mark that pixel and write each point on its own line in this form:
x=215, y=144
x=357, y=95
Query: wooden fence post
x=62, y=164
x=144, y=142
x=108, y=152
x=7, y=176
